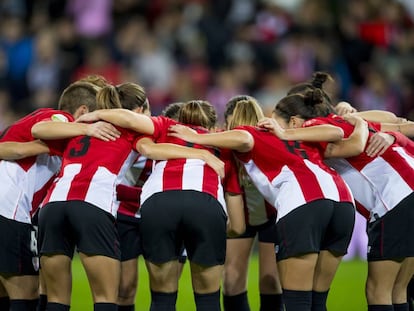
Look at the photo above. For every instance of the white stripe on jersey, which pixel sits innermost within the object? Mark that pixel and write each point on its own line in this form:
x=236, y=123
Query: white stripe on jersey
x=19, y=186
x=193, y=172
x=192, y=179
x=378, y=186
x=325, y=180
x=62, y=185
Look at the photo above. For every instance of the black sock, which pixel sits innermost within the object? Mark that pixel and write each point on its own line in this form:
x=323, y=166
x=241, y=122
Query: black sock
x=270, y=302
x=126, y=308
x=105, y=306
x=41, y=306
x=207, y=302
x=54, y=306
x=296, y=300
x=319, y=300
x=236, y=302
x=401, y=306
x=380, y=308
x=163, y=301
x=4, y=303
x=23, y=304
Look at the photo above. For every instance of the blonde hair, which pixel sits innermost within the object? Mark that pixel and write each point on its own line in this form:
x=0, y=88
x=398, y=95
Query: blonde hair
x=247, y=111
x=108, y=98
x=97, y=80
x=198, y=112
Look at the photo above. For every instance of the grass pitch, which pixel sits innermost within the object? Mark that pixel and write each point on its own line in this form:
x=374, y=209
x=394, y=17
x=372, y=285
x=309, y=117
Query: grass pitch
x=346, y=294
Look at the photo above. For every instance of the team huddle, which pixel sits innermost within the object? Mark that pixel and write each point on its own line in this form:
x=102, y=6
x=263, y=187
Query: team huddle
x=102, y=177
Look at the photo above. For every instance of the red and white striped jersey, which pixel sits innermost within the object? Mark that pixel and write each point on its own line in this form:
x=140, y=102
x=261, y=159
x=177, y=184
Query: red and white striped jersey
x=136, y=176
x=91, y=169
x=23, y=181
x=283, y=173
x=181, y=174
x=378, y=183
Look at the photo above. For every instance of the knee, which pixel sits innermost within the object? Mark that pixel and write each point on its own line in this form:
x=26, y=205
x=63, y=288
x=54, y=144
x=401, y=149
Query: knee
x=269, y=283
x=377, y=293
x=127, y=292
x=234, y=281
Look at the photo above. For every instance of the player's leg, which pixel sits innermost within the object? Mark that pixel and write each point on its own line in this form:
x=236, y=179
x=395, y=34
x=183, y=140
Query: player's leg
x=399, y=293
x=235, y=273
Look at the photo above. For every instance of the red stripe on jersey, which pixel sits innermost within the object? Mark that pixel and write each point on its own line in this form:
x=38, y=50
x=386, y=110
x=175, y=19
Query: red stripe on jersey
x=213, y=183
x=173, y=174
x=400, y=165
x=40, y=195
x=310, y=188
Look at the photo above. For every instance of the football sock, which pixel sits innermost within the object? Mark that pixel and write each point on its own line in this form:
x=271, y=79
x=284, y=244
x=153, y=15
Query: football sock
x=207, y=302
x=105, y=306
x=41, y=306
x=401, y=307
x=319, y=300
x=126, y=308
x=296, y=300
x=4, y=303
x=23, y=304
x=163, y=301
x=236, y=302
x=270, y=302
x=380, y=308
x=53, y=306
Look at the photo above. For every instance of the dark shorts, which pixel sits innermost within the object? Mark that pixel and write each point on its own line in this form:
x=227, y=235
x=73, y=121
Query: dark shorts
x=391, y=236
x=69, y=224
x=171, y=219
x=129, y=236
x=18, y=244
x=319, y=225
x=266, y=233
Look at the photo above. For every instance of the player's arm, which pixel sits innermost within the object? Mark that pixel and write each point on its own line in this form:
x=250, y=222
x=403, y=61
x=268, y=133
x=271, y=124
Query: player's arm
x=51, y=130
x=380, y=116
x=166, y=151
x=20, y=150
x=123, y=118
x=406, y=128
x=238, y=140
x=316, y=133
x=354, y=144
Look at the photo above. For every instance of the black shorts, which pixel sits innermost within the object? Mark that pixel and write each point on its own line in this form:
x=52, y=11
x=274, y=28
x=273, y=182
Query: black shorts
x=129, y=237
x=391, y=236
x=266, y=233
x=18, y=244
x=64, y=225
x=319, y=225
x=171, y=219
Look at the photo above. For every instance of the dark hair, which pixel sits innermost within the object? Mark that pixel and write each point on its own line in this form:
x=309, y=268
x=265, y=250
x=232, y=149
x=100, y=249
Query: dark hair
x=309, y=105
x=132, y=96
x=318, y=79
x=172, y=111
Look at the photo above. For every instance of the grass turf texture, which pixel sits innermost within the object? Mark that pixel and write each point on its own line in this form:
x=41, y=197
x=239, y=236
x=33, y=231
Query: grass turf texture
x=347, y=291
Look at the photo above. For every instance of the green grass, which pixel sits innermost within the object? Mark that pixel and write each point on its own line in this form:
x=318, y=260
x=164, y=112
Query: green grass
x=347, y=291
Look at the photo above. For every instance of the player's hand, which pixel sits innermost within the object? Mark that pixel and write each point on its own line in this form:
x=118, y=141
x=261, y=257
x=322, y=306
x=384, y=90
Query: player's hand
x=378, y=143
x=89, y=117
x=103, y=130
x=215, y=163
x=343, y=108
x=271, y=125
x=183, y=132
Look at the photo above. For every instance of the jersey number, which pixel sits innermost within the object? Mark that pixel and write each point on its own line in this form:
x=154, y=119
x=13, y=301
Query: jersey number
x=84, y=144
x=294, y=147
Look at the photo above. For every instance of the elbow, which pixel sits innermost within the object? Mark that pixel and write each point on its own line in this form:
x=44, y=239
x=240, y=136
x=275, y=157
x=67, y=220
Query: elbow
x=36, y=131
x=245, y=142
x=145, y=150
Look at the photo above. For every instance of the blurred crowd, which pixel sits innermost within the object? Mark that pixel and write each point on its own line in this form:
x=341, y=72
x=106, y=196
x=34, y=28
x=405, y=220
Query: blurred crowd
x=208, y=49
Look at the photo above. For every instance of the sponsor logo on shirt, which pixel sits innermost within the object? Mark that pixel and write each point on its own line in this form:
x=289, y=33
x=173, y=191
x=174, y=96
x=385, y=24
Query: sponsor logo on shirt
x=59, y=118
